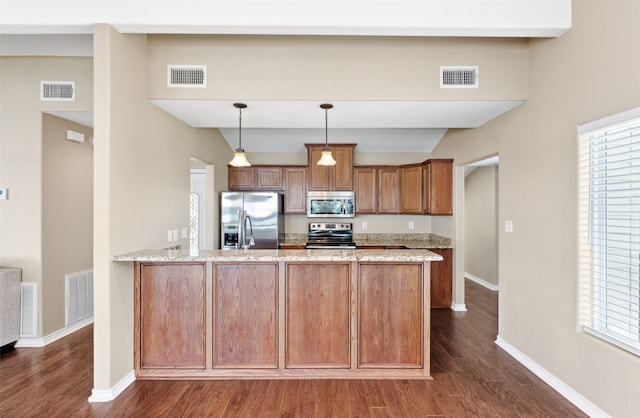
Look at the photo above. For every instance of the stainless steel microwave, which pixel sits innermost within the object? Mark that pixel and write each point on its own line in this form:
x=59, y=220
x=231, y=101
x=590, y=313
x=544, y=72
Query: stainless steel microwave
x=331, y=205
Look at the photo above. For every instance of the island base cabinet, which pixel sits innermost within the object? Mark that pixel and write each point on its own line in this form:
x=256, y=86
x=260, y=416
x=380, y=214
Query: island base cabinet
x=246, y=316
x=318, y=316
x=391, y=316
x=172, y=316
x=295, y=319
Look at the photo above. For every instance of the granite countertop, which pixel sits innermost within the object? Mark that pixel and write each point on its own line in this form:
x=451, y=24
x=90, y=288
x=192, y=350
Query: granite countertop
x=280, y=255
x=411, y=241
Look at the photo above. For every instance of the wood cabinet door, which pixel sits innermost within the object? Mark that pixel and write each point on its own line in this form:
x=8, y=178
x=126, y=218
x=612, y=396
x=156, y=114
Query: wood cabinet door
x=269, y=178
x=172, y=316
x=295, y=190
x=342, y=176
x=390, y=309
x=318, y=316
x=245, y=316
x=241, y=178
x=441, y=187
x=366, y=189
x=388, y=190
x=426, y=188
x=442, y=279
x=318, y=174
x=411, y=189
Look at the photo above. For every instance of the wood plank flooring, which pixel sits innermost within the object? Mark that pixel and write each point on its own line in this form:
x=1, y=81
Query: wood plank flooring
x=472, y=377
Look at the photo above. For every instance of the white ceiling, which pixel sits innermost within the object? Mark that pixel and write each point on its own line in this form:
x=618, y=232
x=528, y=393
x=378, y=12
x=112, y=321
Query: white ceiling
x=26, y=28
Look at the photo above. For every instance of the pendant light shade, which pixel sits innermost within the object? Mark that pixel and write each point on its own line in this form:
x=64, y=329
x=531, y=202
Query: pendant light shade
x=326, y=158
x=239, y=159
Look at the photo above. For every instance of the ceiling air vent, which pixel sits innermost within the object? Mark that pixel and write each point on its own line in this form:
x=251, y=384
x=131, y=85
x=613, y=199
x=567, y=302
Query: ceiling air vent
x=465, y=77
x=58, y=91
x=187, y=76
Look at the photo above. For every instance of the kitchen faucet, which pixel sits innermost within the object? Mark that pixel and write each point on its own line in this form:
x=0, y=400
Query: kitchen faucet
x=243, y=240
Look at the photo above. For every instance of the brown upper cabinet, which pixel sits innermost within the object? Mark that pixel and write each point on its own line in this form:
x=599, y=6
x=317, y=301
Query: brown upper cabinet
x=295, y=190
x=366, y=189
x=438, y=187
x=388, y=190
x=255, y=178
x=411, y=189
x=337, y=177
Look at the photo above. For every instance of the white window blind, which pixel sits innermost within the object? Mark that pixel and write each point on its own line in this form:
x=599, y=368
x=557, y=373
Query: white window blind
x=609, y=212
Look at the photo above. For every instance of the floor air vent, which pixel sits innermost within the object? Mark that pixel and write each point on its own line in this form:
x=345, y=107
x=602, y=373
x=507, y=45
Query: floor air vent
x=58, y=91
x=459, y=77
x=187, y=76
x=29, y=310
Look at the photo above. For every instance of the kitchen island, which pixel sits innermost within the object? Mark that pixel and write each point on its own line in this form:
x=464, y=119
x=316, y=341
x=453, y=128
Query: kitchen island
x=269, y=314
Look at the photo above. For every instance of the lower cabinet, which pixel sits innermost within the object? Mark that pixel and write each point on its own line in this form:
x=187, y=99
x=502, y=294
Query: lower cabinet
x=245, y=315
x=391, y=315
x=318, y=316
x=442, y=279
x=272, y=320
x=172, y=316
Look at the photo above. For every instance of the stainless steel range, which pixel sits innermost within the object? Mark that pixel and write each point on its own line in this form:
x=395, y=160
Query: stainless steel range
x=336, y=236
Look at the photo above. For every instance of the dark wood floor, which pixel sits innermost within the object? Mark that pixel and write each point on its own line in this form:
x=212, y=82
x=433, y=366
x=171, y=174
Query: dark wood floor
x=472, y=377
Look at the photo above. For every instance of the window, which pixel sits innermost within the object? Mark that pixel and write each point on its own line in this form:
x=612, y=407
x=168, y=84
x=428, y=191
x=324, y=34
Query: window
x=609, y=213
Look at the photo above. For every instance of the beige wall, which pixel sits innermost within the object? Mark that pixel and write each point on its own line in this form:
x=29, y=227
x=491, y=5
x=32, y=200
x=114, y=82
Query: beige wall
x=21, y=158
x=67, y=214
x=570, y=83
x=339, y=68
x=141, y=162
x=481, y=224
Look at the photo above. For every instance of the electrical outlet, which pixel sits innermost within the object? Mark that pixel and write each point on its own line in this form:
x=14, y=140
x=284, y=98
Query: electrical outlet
x=364, y=224
x=411, y=225
x=175, y=235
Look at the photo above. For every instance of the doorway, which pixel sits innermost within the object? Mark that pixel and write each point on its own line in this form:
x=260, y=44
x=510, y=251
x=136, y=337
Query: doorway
x=481, y=223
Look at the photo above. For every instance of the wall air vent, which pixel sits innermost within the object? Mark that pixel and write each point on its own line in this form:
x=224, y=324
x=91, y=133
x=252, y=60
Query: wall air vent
x=193, y=76
x=58, y=91
x=460, y=77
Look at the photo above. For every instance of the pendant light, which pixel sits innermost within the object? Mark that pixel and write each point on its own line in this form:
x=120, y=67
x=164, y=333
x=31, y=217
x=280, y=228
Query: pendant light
x=327, y=158
x=239, y=159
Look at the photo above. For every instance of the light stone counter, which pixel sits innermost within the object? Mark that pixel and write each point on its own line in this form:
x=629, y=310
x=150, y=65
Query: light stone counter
x=387, y=255
x=412, y=241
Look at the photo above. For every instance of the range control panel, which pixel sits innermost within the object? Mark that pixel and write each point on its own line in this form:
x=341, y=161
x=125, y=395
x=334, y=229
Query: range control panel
x=329, y=226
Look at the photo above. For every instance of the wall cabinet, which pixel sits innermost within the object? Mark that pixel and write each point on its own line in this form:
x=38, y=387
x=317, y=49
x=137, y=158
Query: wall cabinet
x=255, y=178
x=295, y=190
x=325, y=178
x=438, y=187
x=411, y=189
x=388, y=190
x=366, y=190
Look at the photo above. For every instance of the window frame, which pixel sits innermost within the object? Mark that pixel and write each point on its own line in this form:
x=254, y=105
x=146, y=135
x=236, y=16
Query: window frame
x=595, y=237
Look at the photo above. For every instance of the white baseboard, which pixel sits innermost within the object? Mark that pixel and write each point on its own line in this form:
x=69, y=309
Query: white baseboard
x=482, y=282
x=54, y=336
x=460, y=307
x=559, y=386
x=107, y=395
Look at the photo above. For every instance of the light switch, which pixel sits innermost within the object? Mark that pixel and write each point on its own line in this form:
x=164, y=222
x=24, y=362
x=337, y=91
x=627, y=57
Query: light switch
x=175, y=235
x=169, y=235
x=508, y=226
x=185, y=233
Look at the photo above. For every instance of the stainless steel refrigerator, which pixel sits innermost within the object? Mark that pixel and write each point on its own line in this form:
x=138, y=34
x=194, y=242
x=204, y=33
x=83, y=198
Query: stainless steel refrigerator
x=251, y=220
